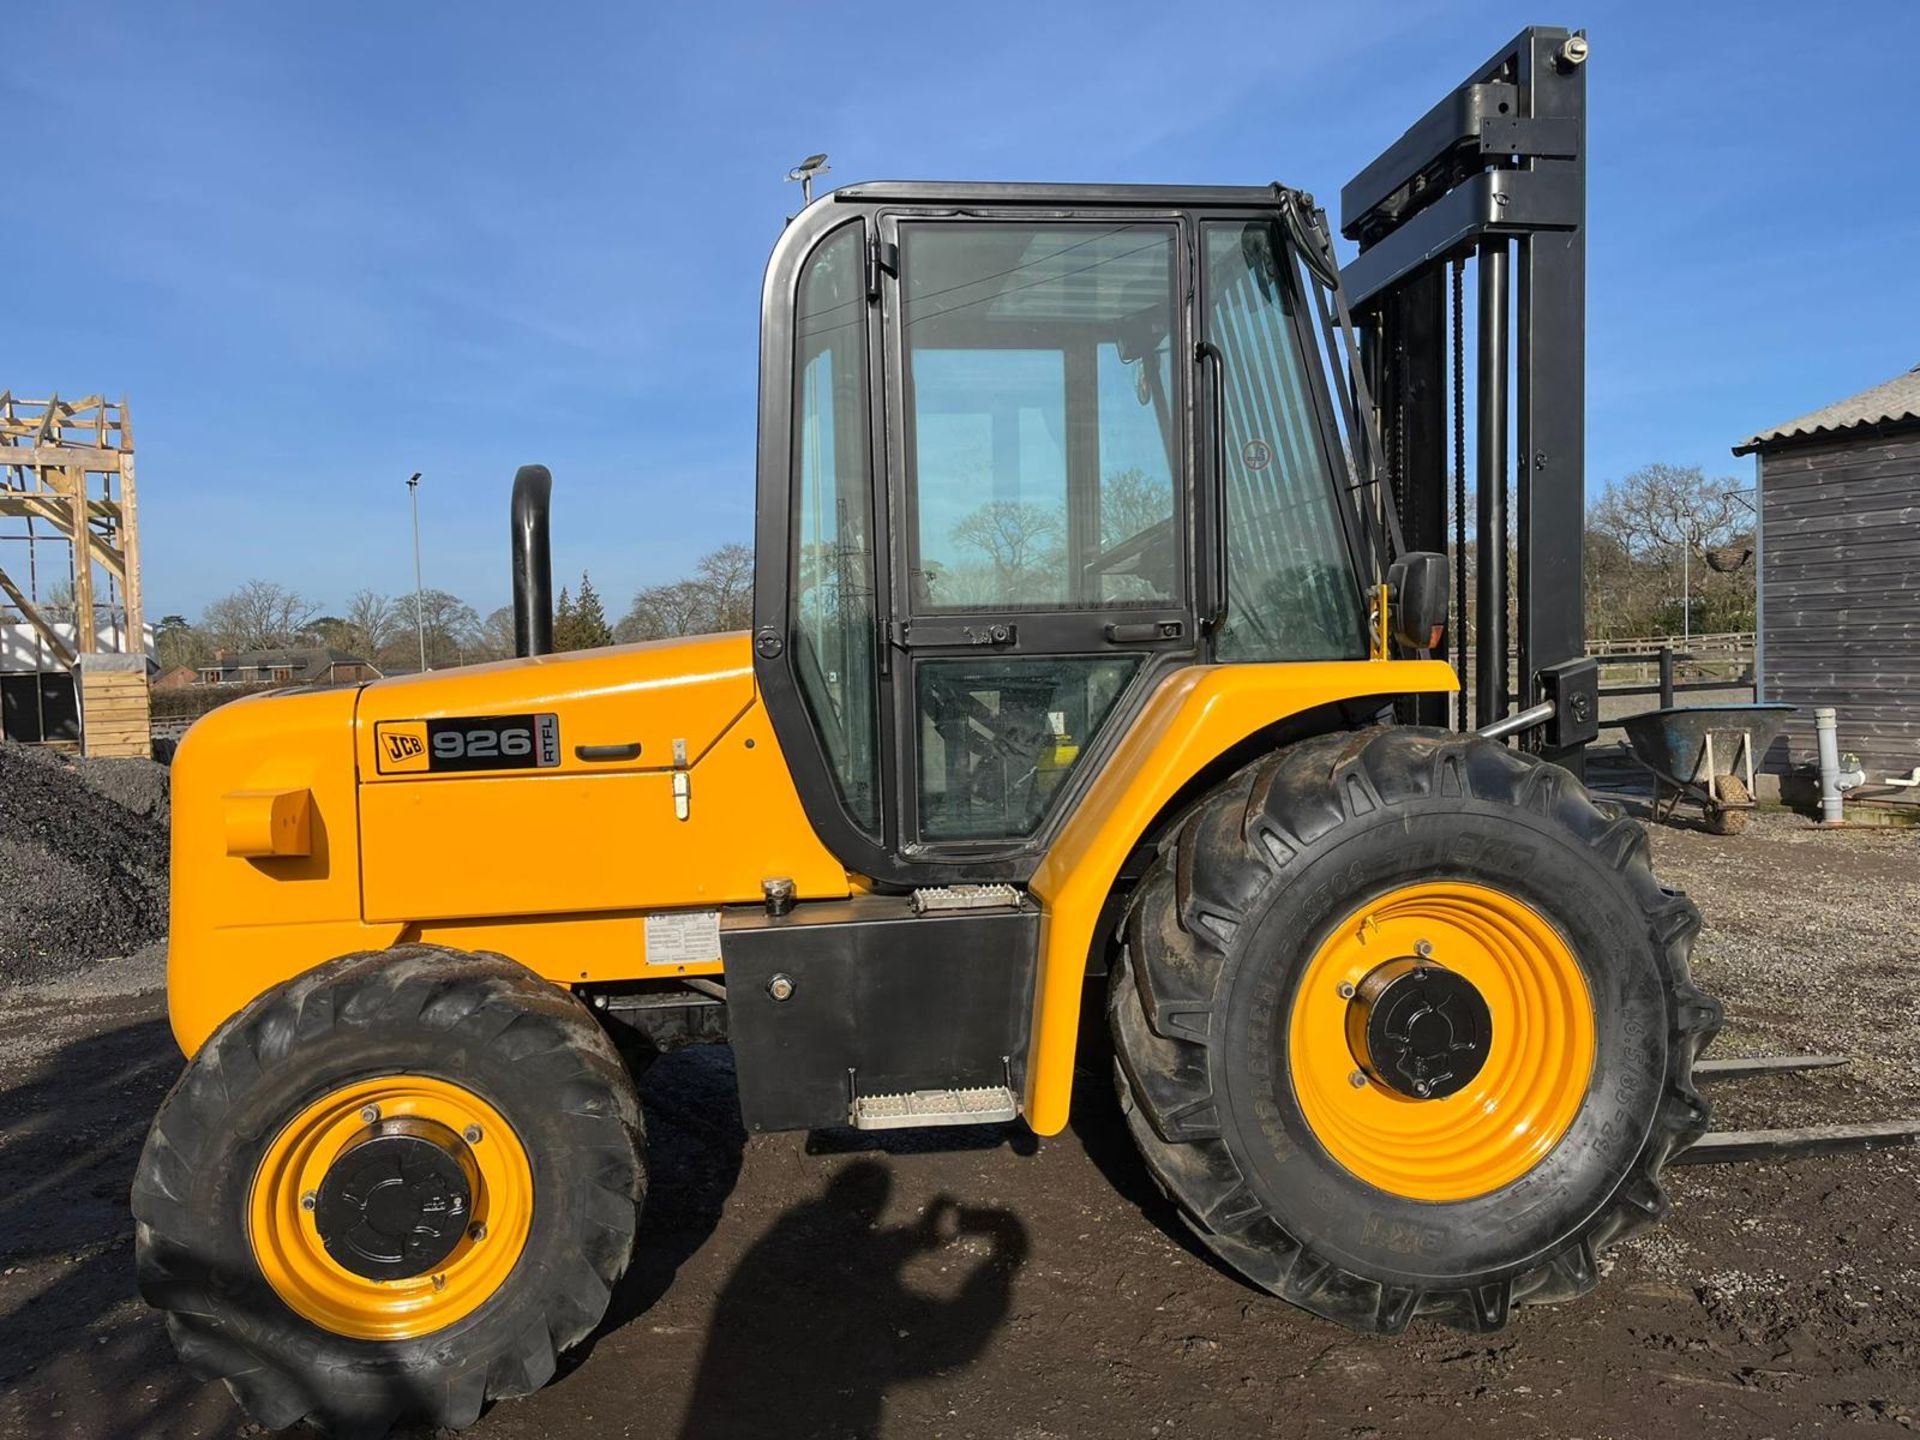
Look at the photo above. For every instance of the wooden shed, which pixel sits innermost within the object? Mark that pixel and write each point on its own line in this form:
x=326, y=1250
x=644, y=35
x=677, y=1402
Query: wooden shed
x=1839, y=593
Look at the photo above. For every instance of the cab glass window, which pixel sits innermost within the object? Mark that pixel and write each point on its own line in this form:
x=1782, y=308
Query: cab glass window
x=834, y=632
x=1291, y=589
x=1040, y=415
x=998, y=736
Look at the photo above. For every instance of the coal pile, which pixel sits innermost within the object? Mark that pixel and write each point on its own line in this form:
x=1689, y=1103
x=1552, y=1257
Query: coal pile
x=83, y=860
x=137, y=785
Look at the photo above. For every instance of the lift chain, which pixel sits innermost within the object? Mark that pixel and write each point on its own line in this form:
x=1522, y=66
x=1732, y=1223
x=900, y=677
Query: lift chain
x=1460, y=486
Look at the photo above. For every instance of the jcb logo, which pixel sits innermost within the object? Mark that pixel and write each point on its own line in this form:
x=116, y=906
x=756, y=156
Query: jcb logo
x=400, y=747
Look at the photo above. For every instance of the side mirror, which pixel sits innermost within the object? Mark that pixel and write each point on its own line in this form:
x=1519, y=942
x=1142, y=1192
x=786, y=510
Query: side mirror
x=1417, y=599
x=532, y=562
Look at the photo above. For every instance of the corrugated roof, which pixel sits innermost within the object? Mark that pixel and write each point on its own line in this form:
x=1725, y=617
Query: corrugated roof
x=1895, y=403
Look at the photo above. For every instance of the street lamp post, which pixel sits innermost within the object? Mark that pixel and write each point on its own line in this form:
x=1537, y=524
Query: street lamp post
x=1692, y=532
x=419, y=586
x=1686, y=588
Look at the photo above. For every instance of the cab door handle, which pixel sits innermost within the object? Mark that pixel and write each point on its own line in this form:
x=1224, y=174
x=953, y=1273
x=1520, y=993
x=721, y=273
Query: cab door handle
x=1144, y=632
x=597, y=753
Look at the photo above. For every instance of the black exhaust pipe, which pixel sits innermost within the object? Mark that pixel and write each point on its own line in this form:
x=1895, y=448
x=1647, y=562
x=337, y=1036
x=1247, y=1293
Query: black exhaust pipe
x=532, y=562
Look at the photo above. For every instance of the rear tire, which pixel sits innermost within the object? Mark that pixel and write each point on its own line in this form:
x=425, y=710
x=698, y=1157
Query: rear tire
x=482, y=1026
x=1257, y=881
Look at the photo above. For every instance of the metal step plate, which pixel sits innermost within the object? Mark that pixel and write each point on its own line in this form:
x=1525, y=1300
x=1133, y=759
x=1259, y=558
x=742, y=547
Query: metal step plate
x=986, y=1105
x=965, y=897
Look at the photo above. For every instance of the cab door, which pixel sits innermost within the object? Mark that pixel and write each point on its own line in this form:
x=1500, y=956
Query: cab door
x=1036, y=449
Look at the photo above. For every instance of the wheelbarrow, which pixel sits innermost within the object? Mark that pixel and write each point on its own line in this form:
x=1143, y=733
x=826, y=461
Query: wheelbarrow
x=1705, y=753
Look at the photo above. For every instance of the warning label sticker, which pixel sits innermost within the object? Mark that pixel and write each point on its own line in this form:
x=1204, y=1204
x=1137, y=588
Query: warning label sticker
x=683, y=937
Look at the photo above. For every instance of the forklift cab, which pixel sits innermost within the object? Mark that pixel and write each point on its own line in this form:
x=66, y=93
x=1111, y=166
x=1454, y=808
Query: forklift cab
x=1024, y=451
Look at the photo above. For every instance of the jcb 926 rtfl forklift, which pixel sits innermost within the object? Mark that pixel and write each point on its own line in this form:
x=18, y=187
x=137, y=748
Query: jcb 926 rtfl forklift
x=1100, y=625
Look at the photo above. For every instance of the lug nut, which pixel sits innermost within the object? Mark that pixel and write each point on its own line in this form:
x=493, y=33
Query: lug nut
x=309, y=1201
x=477, y=1231
x=1346, y=989
x=780, y=987
x=1423, y=948
x=472, y=1134
x=1357, y=1079
x=369, y=1114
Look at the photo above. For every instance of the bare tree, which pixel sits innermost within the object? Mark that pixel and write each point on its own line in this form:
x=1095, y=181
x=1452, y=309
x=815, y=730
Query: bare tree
x=452, y=631
x=1021, y=541
x=372, y=620
x=717, y=597
x=1661, y=507
x=496, y=638
x=57, y=607
x=726, y=578
x=260, y=615
x=1130, y=502
x=1661, y=530
x=676, y=608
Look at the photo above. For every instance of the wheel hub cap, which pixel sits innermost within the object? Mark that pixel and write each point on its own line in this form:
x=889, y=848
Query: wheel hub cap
x=395, y=1204
x=1418, y=1028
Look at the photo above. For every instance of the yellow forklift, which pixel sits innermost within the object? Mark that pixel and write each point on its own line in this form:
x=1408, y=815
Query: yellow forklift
x=1100, y=627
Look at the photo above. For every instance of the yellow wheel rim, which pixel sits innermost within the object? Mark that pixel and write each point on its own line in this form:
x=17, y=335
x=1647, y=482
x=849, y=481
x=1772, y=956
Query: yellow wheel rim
x=286, y=1240
x=1539, y=1059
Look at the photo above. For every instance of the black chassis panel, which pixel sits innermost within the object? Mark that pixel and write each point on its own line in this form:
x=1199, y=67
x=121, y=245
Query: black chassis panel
x=883, y=1000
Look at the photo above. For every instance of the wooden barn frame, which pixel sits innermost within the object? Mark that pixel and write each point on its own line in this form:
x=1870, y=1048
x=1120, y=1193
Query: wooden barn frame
x=69, y=541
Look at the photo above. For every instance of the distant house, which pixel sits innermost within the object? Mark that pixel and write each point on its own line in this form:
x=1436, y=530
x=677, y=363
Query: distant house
x=1839, y=596
x=175, y=677
x=312, y=666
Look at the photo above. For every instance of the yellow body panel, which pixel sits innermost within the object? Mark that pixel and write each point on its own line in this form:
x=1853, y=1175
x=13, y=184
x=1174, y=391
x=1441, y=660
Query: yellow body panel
x=572, y=841
x=239, y=925
x=550, y=866
x=651, y=694
x=1197, y=714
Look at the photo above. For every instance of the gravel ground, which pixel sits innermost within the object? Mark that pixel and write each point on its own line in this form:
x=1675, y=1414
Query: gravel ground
x=83, y=849
x=979, y=1283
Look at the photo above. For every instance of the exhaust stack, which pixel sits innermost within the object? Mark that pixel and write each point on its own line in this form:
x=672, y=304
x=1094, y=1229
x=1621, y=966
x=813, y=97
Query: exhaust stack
x=532, y=562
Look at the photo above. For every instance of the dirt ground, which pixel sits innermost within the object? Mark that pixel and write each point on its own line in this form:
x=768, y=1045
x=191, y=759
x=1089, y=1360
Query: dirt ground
x=980, y=1284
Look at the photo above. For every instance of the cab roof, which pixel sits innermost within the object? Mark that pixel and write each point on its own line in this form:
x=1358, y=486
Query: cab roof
x=921, y=192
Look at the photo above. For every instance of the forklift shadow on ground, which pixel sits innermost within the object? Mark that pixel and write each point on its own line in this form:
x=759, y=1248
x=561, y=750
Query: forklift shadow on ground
x=821, y=1319
x=696, y=1141
x=826, y=1281
x=70, y=1126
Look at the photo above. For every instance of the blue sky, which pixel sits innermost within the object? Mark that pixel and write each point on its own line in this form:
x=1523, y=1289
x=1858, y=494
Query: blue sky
x=321, y=247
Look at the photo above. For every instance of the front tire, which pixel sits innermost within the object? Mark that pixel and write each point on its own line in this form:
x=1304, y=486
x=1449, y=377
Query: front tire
x=529, y=1191
x=1231, y=1006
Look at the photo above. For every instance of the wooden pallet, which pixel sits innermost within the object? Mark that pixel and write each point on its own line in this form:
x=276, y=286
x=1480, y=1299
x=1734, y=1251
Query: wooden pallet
x=115, y=706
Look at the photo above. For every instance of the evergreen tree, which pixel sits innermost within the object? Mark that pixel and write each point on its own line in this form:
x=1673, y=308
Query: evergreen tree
x=563, y=623
x=589, y=620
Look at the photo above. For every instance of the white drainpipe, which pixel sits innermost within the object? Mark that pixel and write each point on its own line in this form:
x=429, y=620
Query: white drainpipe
x=1834, y=782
